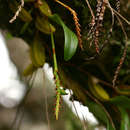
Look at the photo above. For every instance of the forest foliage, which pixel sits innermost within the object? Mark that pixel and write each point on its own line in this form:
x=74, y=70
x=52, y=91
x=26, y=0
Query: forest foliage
x=87, y=43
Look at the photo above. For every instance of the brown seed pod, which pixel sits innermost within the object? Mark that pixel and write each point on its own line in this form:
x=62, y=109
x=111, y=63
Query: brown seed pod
x=97, y=24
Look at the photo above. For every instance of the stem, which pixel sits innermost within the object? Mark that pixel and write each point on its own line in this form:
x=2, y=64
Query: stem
x=57, y=80
x=54, y=54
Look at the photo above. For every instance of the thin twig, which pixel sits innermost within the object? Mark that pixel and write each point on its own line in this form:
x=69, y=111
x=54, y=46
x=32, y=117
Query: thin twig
x=111, y=13
x=123, y=56
x=17, y=12
x=122, y=27
x=122, y=17
x=90, y=9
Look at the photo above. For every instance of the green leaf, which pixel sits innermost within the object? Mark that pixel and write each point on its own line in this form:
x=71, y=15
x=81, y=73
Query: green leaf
x=121, y=101
x=99, y=112
x=125, y=121
x=43, y=25
x=109, y=126
x=71, y=40
x=45, y=9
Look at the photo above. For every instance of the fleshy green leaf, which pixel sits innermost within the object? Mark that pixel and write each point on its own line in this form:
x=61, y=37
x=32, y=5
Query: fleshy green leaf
x=125, y=121
x=71, y=40
x=121, y=101
x=45, y=9
x=43, y=25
